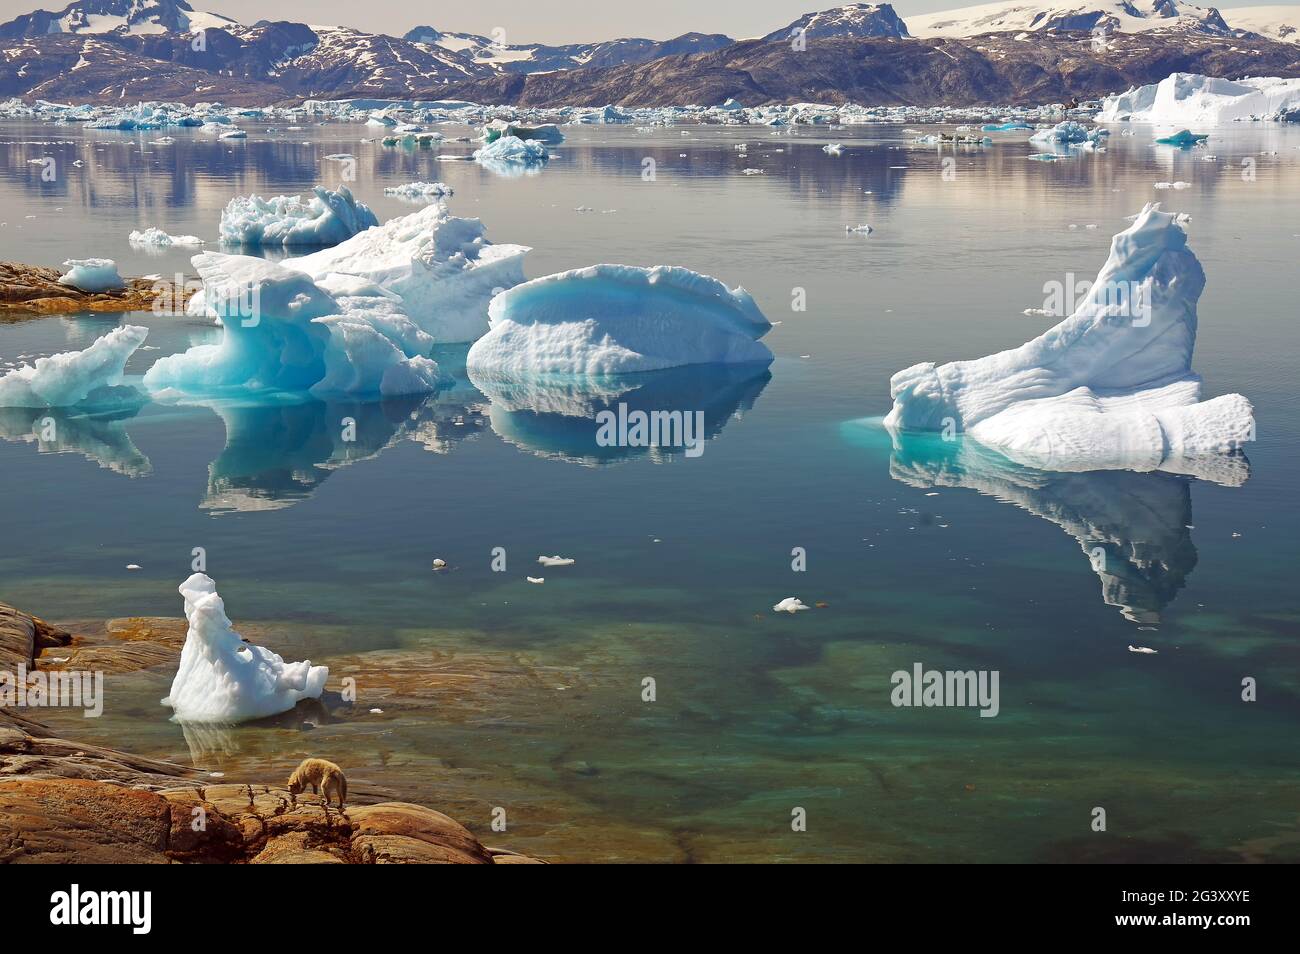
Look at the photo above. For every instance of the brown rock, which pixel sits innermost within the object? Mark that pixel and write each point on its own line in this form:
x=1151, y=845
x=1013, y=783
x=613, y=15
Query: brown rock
x=71, y=820
x=35, y=289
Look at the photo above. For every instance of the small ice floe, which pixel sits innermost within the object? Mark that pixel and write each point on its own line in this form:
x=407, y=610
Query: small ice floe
x=1182, y=139
x=216, y=775
x=833, y=149
x=92, y=274
x=791, y=604
x=1173, y=185
x=513, y=149
x=863, y=229
x=535, y=579
x=751, y=172
x=416, y=191
x=439, y=564
x=1145, y=650
x=234, y=134
x=376, y=711
x=555, y=561
x=157, y=238
x=70, y=377
x=327, y=218
x=133, y=566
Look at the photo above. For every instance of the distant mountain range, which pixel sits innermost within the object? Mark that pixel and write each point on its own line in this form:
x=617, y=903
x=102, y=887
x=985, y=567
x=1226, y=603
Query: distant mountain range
x=127, y=50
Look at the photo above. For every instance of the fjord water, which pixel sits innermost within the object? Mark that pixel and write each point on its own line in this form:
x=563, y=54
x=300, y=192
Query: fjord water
x=496, y=692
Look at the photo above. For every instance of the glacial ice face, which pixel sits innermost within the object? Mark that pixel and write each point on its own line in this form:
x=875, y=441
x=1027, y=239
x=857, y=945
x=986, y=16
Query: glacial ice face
x=223, y=679
x=1110, y=386
x=283, y=332
x=441, y=268
x=72, y=377
x=92, y=275
x=327, y=218
x=1190, y=99
x=616, y=319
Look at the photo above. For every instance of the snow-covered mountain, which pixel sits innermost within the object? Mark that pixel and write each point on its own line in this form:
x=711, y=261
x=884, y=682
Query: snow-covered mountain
x=1126, y=16
x=1277, y=23
x=853, y=20
x=136, y=17
x=541, y=58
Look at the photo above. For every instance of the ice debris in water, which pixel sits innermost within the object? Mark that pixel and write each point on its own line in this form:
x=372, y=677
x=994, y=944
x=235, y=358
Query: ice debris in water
x=223, y=679
x=72, y=377
x=1110, y=386
x=282, y=331
x=1068, y=133
x=555, y=561
x=791, y=604
x=92, y=274
x=420, y=190
x=326, y=218
x=1147, y=650
x=1195, y=100
x=157, y=238
x=513, y=149
x=612, y=319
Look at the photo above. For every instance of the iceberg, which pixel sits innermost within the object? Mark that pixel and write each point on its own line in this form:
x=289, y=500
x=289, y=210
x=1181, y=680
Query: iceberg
x=1190, y=99
x=327, y=218
x=440, y=267
x=283, y=332
x=92, y=275
x=223, y=679
x=72, y=377
x=513, y=149
x=616, y=319
x=420, y=191
x=157, y=238
x=1068, y=133
x=1110, y=386
x=547, y=133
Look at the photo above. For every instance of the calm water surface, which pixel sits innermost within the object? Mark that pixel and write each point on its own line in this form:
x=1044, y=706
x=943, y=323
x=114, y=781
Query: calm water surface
x=922, y=551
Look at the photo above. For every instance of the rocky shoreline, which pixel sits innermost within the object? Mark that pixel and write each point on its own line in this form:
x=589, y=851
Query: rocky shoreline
x=67, y=802
x=35, y=290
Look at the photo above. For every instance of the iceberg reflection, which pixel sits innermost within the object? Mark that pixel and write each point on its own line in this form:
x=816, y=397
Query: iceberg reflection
x=99, y=436
x=556, y=416
x=279, y=453
x=1132, y=527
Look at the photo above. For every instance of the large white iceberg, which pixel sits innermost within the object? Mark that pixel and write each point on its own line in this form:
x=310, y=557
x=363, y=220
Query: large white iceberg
x=615, y=319
x=441, y=268
x=1189, y=99
x=224, y=679
x=1110, y=386
x=71, y=377
x=282, y=331
x=326, y=218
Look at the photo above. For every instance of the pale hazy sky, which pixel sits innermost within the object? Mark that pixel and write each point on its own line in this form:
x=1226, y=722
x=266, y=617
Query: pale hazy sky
x=541, y=21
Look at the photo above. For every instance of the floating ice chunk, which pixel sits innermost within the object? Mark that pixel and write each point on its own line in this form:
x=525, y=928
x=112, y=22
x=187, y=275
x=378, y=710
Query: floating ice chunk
x=157, y=238
x=1068, y=132
x=221, y=678
x=327, y=218
x=440, y=267
x=1194, y=100
x=1110, y=385
x=555, y=561
x=62, y=380
x=1142, y=649
x=427, y=191
x=513, y=149
x=833, y=149
x=282, y=331
x=1173, y=185
x=1183, y=139
x=92, y=275
x=863, y=229
x=535, y=579
x=791, y=604
x=547, y=133
x=612, y=319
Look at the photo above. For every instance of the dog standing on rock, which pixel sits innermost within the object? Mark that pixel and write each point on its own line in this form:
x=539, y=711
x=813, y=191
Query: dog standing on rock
x=321, y=775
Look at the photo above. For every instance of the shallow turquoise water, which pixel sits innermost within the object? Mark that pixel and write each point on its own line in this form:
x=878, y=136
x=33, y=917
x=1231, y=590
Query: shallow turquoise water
x=924, y=552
